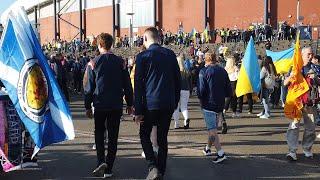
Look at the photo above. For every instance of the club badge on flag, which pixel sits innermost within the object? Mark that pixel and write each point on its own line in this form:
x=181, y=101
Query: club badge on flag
x=31, y=84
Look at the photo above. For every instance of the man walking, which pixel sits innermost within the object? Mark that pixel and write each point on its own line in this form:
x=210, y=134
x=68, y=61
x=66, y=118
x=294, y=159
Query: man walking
x=157, y=93
x=213, y=87
x=105, y=81
x=309, y=111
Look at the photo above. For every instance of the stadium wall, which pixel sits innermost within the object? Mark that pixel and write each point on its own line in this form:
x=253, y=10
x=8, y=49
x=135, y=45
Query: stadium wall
x=222, y=14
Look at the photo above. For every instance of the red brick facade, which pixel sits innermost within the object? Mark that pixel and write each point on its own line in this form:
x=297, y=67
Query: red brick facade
x=222, y=14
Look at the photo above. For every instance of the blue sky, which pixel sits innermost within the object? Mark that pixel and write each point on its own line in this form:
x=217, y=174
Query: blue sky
x=5, y=4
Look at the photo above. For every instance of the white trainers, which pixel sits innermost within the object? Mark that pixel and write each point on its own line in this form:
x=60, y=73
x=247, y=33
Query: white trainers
x=236, y=114
x=99, y=171
x=308, y=154
x=155, y=150
x=292, y=156
x=260, y=114
x=318, y=136
x=265, y=116
x=143, y=154
x=176, y=125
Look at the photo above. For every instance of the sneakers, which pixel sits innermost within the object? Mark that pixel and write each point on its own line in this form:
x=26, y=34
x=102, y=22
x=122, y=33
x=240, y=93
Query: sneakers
x=94, y=147
x=224, y=128
x=99, y=171
x=107, y=174
x=207, y=152
x=292, y=156
x=260, y=114
x=219, y=159
x=187, y=124
x=143, y=154
x=176, y=125
x=236, y=114
x=154, y=174
x=308, y=154
x=265, y=116
x=155, y=150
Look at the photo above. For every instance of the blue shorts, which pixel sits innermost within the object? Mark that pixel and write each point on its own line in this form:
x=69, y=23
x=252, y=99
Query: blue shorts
x=211, y=119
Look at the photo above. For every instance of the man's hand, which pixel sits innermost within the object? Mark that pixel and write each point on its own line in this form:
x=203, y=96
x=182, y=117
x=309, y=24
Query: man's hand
x=129, y=110
x=89, y=113
x=138, y=119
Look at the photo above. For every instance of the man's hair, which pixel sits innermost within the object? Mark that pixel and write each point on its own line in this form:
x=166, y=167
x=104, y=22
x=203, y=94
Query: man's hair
x=105, y=40
x=153, y=32
x=210, y=57
x=305, y=49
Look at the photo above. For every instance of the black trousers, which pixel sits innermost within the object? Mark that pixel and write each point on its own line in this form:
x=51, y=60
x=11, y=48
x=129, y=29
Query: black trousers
x=250, y=102
x=233, y=99
x=109, y=119
x=77, y=82
x=161, y=119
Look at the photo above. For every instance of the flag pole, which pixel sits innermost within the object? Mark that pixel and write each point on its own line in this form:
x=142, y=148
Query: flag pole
x=298, y=13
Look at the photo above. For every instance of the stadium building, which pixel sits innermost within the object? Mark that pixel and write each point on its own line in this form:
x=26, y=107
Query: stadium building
x=63, y=18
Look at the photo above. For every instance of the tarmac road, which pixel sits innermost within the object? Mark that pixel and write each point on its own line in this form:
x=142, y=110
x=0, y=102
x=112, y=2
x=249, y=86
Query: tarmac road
x=255, y=147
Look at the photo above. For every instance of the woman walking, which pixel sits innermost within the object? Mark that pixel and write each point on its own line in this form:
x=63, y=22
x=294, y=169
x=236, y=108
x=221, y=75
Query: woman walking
x=184, y=95
x=233, y=73
x=267, y=75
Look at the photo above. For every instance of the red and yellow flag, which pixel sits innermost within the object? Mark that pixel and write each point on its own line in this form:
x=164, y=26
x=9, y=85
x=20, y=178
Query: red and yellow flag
x=298, y=86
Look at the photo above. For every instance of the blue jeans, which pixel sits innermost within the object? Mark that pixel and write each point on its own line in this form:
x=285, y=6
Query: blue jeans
x=211, y=119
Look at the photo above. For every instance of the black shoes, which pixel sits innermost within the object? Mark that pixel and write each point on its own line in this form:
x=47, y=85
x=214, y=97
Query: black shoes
x=187, y=124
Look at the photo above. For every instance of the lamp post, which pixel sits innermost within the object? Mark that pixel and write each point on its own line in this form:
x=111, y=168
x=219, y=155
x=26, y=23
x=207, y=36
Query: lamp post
x=131, y=28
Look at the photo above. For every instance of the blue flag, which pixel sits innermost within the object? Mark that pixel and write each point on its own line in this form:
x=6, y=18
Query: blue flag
x=31, y=85
x=249, y=75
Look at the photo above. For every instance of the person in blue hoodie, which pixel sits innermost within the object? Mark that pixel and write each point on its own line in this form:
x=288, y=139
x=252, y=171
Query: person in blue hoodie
x=157, y=93
x=213, y=87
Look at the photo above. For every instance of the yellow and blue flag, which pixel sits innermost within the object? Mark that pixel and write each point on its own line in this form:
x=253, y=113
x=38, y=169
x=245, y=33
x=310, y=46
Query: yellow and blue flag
x=249, y=75
x=206, y=34
x=31, y=84
x=193, y=34
x=282, y=60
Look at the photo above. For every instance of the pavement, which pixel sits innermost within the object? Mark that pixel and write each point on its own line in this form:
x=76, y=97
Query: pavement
x=256, y=149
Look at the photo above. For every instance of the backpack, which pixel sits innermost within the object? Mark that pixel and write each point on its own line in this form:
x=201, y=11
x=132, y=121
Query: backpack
x=269, y=81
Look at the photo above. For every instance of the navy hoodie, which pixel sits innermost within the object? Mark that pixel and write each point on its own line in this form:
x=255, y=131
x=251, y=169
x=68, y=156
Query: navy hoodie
x=213, y=87
x=157, y=80
x=105, y=82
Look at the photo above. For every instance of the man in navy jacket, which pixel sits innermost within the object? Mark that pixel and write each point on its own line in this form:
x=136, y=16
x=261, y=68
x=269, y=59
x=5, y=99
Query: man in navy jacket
x=157, y=93
x=105, y=82
x=213, y=87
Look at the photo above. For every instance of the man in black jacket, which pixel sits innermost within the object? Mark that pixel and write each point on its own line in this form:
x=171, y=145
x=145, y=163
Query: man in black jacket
x=105, y=82
x=157, y=93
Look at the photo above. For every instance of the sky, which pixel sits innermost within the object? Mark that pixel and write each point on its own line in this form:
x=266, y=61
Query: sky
x=5, y=4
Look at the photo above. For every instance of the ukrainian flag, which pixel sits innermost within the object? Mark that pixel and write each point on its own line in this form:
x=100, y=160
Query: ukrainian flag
x=249, y=75
x=193, y=34
x=206, y=34
x=282, y=60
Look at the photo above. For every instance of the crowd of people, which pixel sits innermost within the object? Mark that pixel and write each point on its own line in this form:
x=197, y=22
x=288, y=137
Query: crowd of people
x=157, y=84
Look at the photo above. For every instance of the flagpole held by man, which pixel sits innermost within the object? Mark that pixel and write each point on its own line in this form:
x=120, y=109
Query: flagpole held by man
x=298, y=104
